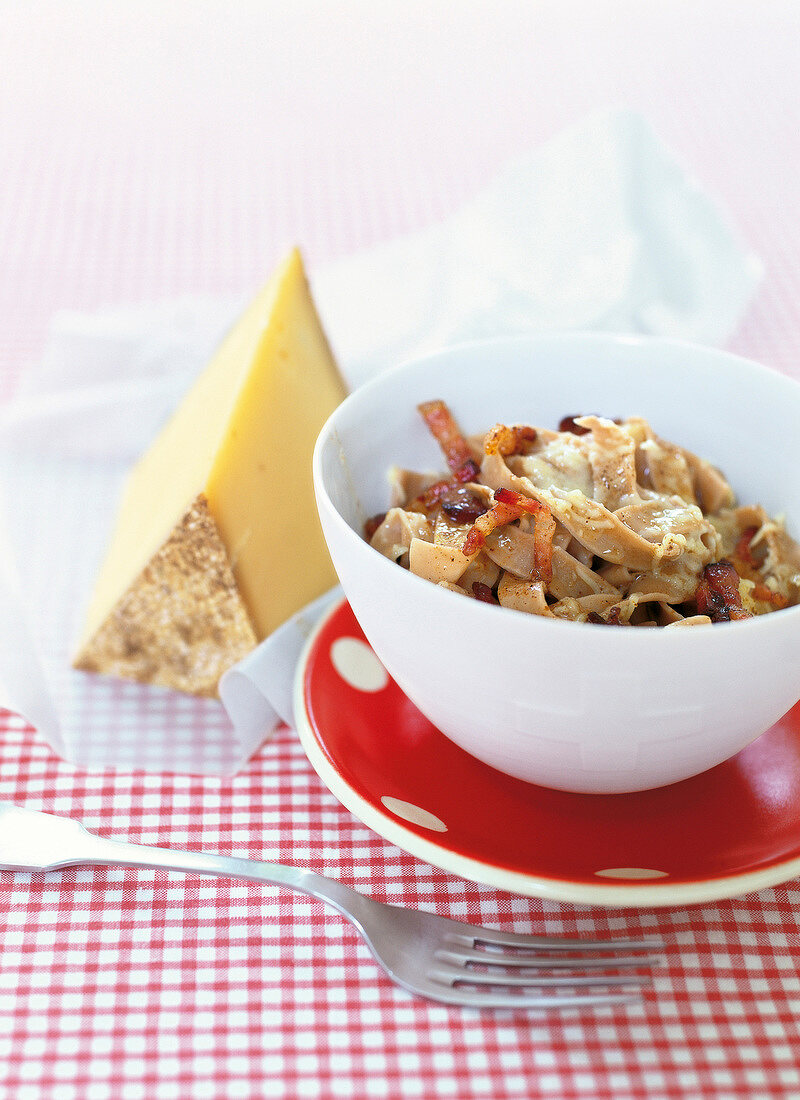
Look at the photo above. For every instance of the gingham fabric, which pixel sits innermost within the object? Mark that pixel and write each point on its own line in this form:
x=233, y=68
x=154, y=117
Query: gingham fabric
x=150, y=150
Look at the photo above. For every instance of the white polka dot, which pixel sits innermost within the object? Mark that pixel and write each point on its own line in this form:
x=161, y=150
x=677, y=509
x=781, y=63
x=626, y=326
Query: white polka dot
x=415, y=814
x=631, y=872
x=357, y=665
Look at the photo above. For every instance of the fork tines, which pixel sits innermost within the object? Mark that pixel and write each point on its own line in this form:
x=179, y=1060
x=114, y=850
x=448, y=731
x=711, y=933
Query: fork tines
x=497, y=968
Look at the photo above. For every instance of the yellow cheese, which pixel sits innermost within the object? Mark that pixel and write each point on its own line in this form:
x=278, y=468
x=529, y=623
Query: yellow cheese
x=217, y=540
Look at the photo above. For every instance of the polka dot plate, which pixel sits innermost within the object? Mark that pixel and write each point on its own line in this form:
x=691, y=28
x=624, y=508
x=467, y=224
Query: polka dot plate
x=732, y=830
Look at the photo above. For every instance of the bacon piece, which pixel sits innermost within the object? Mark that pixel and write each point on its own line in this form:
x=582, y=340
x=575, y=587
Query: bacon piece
x=718, y=595
x=498, y=516
x=743, y=551
x=431, y=496
x=447, y=433
x=462, y=506
x=611, y=620
x=508, y=441
x=567, y=424
x=511, y=506
x=483, y=592
x=777, y=599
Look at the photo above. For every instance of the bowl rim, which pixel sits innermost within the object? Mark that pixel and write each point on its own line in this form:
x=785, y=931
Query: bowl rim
x=634, y=339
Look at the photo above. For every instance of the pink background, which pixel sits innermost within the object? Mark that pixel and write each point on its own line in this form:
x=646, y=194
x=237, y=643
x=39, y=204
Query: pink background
x=149, y=150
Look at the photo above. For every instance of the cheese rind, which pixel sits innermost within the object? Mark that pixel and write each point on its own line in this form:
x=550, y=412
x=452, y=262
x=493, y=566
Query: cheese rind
x=182, y=622
x=242, y=442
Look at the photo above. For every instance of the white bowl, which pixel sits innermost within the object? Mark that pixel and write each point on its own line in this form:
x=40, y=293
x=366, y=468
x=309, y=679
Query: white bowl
x=564, y=704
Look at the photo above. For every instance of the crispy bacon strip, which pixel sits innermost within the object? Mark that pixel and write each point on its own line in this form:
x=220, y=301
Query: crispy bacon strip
x=511, y=506
x=508, y=441
x=446, y=432
x=498, y=516
x=718, y=593
x=431, y=496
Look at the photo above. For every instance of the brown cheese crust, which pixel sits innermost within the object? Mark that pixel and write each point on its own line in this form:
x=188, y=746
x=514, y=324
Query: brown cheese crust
x=182, y=622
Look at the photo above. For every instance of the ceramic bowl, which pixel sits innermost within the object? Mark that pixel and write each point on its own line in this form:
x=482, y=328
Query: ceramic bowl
x=569, y=705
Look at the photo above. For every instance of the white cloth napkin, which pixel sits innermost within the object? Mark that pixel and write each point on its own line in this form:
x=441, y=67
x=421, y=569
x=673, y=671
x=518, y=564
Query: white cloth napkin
x=601, y=228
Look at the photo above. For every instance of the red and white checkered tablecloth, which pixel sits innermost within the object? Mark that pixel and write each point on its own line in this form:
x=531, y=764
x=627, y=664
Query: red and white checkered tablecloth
x=151, y=150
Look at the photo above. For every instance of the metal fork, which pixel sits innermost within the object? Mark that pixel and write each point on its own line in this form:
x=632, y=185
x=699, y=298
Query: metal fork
x=433, y=956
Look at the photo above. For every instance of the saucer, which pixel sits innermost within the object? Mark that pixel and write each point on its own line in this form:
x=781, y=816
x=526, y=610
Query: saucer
x=730, y=831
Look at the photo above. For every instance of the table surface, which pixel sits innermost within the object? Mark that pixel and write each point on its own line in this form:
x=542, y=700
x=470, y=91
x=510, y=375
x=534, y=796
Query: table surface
x=152, y=150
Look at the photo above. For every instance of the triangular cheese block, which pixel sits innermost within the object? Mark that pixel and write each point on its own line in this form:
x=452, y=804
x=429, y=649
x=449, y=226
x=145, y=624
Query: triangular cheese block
x=217, y=540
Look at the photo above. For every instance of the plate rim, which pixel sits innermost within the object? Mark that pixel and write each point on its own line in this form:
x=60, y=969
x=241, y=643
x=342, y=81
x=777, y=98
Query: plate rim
x=652, y=894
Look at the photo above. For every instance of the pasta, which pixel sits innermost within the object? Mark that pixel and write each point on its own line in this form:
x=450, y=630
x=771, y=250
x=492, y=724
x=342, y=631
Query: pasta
x=599, y=521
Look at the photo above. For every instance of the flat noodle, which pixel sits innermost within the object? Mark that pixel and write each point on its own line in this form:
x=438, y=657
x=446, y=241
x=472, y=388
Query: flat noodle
x=481, y=570
x=572, y=578
x=612, y=457
x=580, y=607
x=528, y=596
x=393, y=536
x=660, y=465
x=435, y=562
x=691, y=620
x=669, y=615
x=589, y=522
x=513, y=551
x=601, y=521
x=711, y=488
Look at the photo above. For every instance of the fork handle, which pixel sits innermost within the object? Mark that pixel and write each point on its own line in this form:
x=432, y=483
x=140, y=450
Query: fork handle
x=116, y=853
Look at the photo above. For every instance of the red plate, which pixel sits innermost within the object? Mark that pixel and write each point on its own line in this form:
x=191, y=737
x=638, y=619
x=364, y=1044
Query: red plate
x=729, y=831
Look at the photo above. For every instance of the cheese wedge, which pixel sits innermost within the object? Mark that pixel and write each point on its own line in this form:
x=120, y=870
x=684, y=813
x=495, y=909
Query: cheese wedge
x=217, y=540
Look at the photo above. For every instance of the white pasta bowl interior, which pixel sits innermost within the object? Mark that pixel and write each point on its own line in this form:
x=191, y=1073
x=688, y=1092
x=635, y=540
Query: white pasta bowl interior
x=569, y=705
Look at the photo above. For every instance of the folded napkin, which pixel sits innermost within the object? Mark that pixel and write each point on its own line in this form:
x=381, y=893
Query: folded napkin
x=601, y=228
